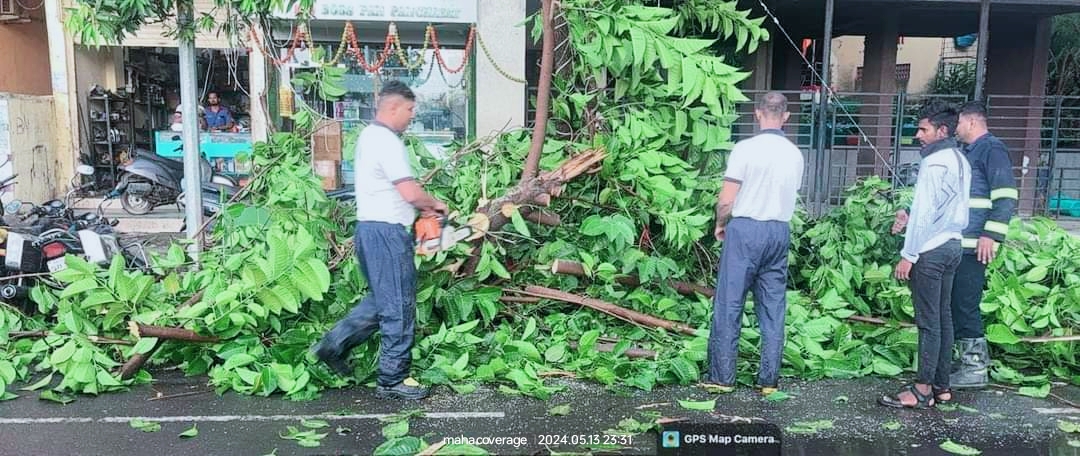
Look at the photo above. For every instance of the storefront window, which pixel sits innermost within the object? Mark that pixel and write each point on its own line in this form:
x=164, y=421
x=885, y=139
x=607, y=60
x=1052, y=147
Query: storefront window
x=441, y=97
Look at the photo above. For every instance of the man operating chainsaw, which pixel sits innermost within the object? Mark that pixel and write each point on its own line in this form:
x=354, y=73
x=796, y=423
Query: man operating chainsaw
x=387, y=198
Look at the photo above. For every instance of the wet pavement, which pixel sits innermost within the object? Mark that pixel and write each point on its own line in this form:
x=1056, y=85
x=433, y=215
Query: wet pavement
x=995, y=421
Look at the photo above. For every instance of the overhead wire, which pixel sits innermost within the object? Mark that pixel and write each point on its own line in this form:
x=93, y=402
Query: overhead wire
x=831, y=97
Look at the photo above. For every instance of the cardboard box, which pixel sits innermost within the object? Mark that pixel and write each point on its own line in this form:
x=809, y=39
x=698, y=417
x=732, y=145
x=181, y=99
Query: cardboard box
x=326, y=142
x=330, y=172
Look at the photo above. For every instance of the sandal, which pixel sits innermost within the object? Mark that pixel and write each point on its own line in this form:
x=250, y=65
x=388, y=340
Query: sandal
x=938, y=392
x=922, y=401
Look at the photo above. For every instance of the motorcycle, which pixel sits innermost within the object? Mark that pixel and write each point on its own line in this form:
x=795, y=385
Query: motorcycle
x=150, y=180
x=42, y=245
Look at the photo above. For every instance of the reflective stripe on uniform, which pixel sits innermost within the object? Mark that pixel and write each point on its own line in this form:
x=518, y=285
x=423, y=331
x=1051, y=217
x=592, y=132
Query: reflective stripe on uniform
x=997, y=227
x=980, y=203
x=1004, y=193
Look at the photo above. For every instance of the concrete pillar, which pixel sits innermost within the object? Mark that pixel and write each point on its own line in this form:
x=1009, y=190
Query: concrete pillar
x=876, y=113
x=65, y=106
x=259, y=77
x=1017, y=62
x=500, y=102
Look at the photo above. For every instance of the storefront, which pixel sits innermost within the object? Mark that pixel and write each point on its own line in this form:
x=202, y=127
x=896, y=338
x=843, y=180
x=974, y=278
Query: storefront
x=430, y=48
x=128, y=95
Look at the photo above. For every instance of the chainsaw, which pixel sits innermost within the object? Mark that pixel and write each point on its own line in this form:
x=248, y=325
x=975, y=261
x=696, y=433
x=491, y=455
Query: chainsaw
x=435, y=234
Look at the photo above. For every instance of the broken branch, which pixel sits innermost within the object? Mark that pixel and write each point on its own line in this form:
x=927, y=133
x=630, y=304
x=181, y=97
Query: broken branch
x=139, y=330
x=577, y=269
x=611, y=309
x=632, y=353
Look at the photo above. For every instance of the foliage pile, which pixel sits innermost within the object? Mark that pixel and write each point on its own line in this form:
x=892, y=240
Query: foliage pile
x=661, y=105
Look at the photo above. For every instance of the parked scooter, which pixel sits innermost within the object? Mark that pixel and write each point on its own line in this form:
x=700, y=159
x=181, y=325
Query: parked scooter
x=151, y=180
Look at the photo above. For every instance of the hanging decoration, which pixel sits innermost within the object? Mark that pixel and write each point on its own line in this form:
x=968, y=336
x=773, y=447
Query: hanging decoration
x=350, y=46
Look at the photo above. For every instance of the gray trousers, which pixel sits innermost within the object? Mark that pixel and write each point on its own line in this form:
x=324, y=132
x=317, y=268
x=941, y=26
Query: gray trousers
x=754, y=258
x=385, y=251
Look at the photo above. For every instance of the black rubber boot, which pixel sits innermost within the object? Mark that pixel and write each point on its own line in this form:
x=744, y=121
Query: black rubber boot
x=408, y=389
x=973, y=366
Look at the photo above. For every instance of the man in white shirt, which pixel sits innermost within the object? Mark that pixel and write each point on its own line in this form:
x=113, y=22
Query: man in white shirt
x=753, y=211
x=387, y=198
x=932, y=252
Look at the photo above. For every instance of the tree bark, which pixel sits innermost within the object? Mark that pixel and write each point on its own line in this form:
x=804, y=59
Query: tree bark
x=543, y=92
x=611, y=309
x=683, y=288
x=544, y=218
x=140, y=330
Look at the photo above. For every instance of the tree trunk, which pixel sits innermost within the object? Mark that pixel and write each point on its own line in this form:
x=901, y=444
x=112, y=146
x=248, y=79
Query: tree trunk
x=611, y=309
x=544, y=218
x=543, y=93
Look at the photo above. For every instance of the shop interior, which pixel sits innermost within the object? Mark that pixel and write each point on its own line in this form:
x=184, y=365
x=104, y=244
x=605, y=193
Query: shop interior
x=139, y=114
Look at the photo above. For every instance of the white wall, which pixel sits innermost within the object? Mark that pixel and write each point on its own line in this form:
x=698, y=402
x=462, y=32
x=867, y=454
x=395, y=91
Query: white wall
x=500, y=102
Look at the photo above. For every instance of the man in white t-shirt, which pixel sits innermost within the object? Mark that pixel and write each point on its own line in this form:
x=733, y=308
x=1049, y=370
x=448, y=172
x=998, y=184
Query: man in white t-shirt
x=387, y=198
x=756, y=203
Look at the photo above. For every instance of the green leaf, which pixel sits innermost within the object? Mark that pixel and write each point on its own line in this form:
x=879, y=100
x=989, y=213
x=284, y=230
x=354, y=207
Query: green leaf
x=53, y=395
x=588, y=340
x=559, y=410
x=400, y=446
x=892, y=426
x=144, y=345
x=194, y=431
x=81, y=286
x=238, y=360
x=527, y=349
x=555, y=353
x=462, y=449
x=314, y=424
x=63, y=353
x=1036, y=274
x=777, y=396
x=998, y=333
x=956, y=448
x=1039, y=392
x=884, y=367
x=707, y=406
x=396, y=429
x=144, y=425
x=519, y=223
x=1068, y=426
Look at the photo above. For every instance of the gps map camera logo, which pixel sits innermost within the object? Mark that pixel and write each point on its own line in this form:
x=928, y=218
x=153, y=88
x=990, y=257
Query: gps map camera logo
x=671, y=439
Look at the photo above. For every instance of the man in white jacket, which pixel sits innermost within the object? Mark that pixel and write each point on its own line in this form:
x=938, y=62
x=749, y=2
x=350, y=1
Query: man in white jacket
x=932, y=251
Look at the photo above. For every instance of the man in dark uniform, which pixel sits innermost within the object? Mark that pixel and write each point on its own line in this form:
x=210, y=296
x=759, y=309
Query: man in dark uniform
x=993, y=202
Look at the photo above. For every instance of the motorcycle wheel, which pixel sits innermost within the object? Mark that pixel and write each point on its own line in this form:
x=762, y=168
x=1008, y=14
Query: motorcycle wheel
x=135, y=205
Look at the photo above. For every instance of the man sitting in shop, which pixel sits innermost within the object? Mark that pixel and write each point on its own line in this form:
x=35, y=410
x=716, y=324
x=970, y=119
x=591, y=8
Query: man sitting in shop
x=218, y=117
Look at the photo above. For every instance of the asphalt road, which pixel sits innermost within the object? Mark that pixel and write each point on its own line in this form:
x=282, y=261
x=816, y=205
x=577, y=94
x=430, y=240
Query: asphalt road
x=845, y=421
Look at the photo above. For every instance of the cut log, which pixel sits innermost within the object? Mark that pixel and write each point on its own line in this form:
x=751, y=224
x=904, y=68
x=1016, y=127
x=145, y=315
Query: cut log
x=611, y=309
x=683, y=288
x=140, y=330
x=135, y=363
x=544, y=218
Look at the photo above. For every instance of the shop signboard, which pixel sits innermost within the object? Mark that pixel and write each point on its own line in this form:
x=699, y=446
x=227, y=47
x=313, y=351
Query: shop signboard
x=437, y=11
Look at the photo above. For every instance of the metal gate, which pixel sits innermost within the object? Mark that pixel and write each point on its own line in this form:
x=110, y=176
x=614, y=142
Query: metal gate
x=873, y=134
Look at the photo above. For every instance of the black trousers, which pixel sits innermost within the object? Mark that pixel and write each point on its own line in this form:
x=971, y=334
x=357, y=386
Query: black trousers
x=967, y=293
x=931, y=285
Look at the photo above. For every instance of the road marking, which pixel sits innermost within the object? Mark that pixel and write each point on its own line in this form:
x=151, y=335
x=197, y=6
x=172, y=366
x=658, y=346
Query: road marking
x=1058, y=411
x=229, y=418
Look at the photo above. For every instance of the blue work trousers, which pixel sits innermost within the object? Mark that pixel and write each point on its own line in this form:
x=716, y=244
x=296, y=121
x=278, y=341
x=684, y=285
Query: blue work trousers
x=385, y=252
x=754, y=258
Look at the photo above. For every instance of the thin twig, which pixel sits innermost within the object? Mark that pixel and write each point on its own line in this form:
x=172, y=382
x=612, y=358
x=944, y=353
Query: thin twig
x=172, y=396
x=1055, y=396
